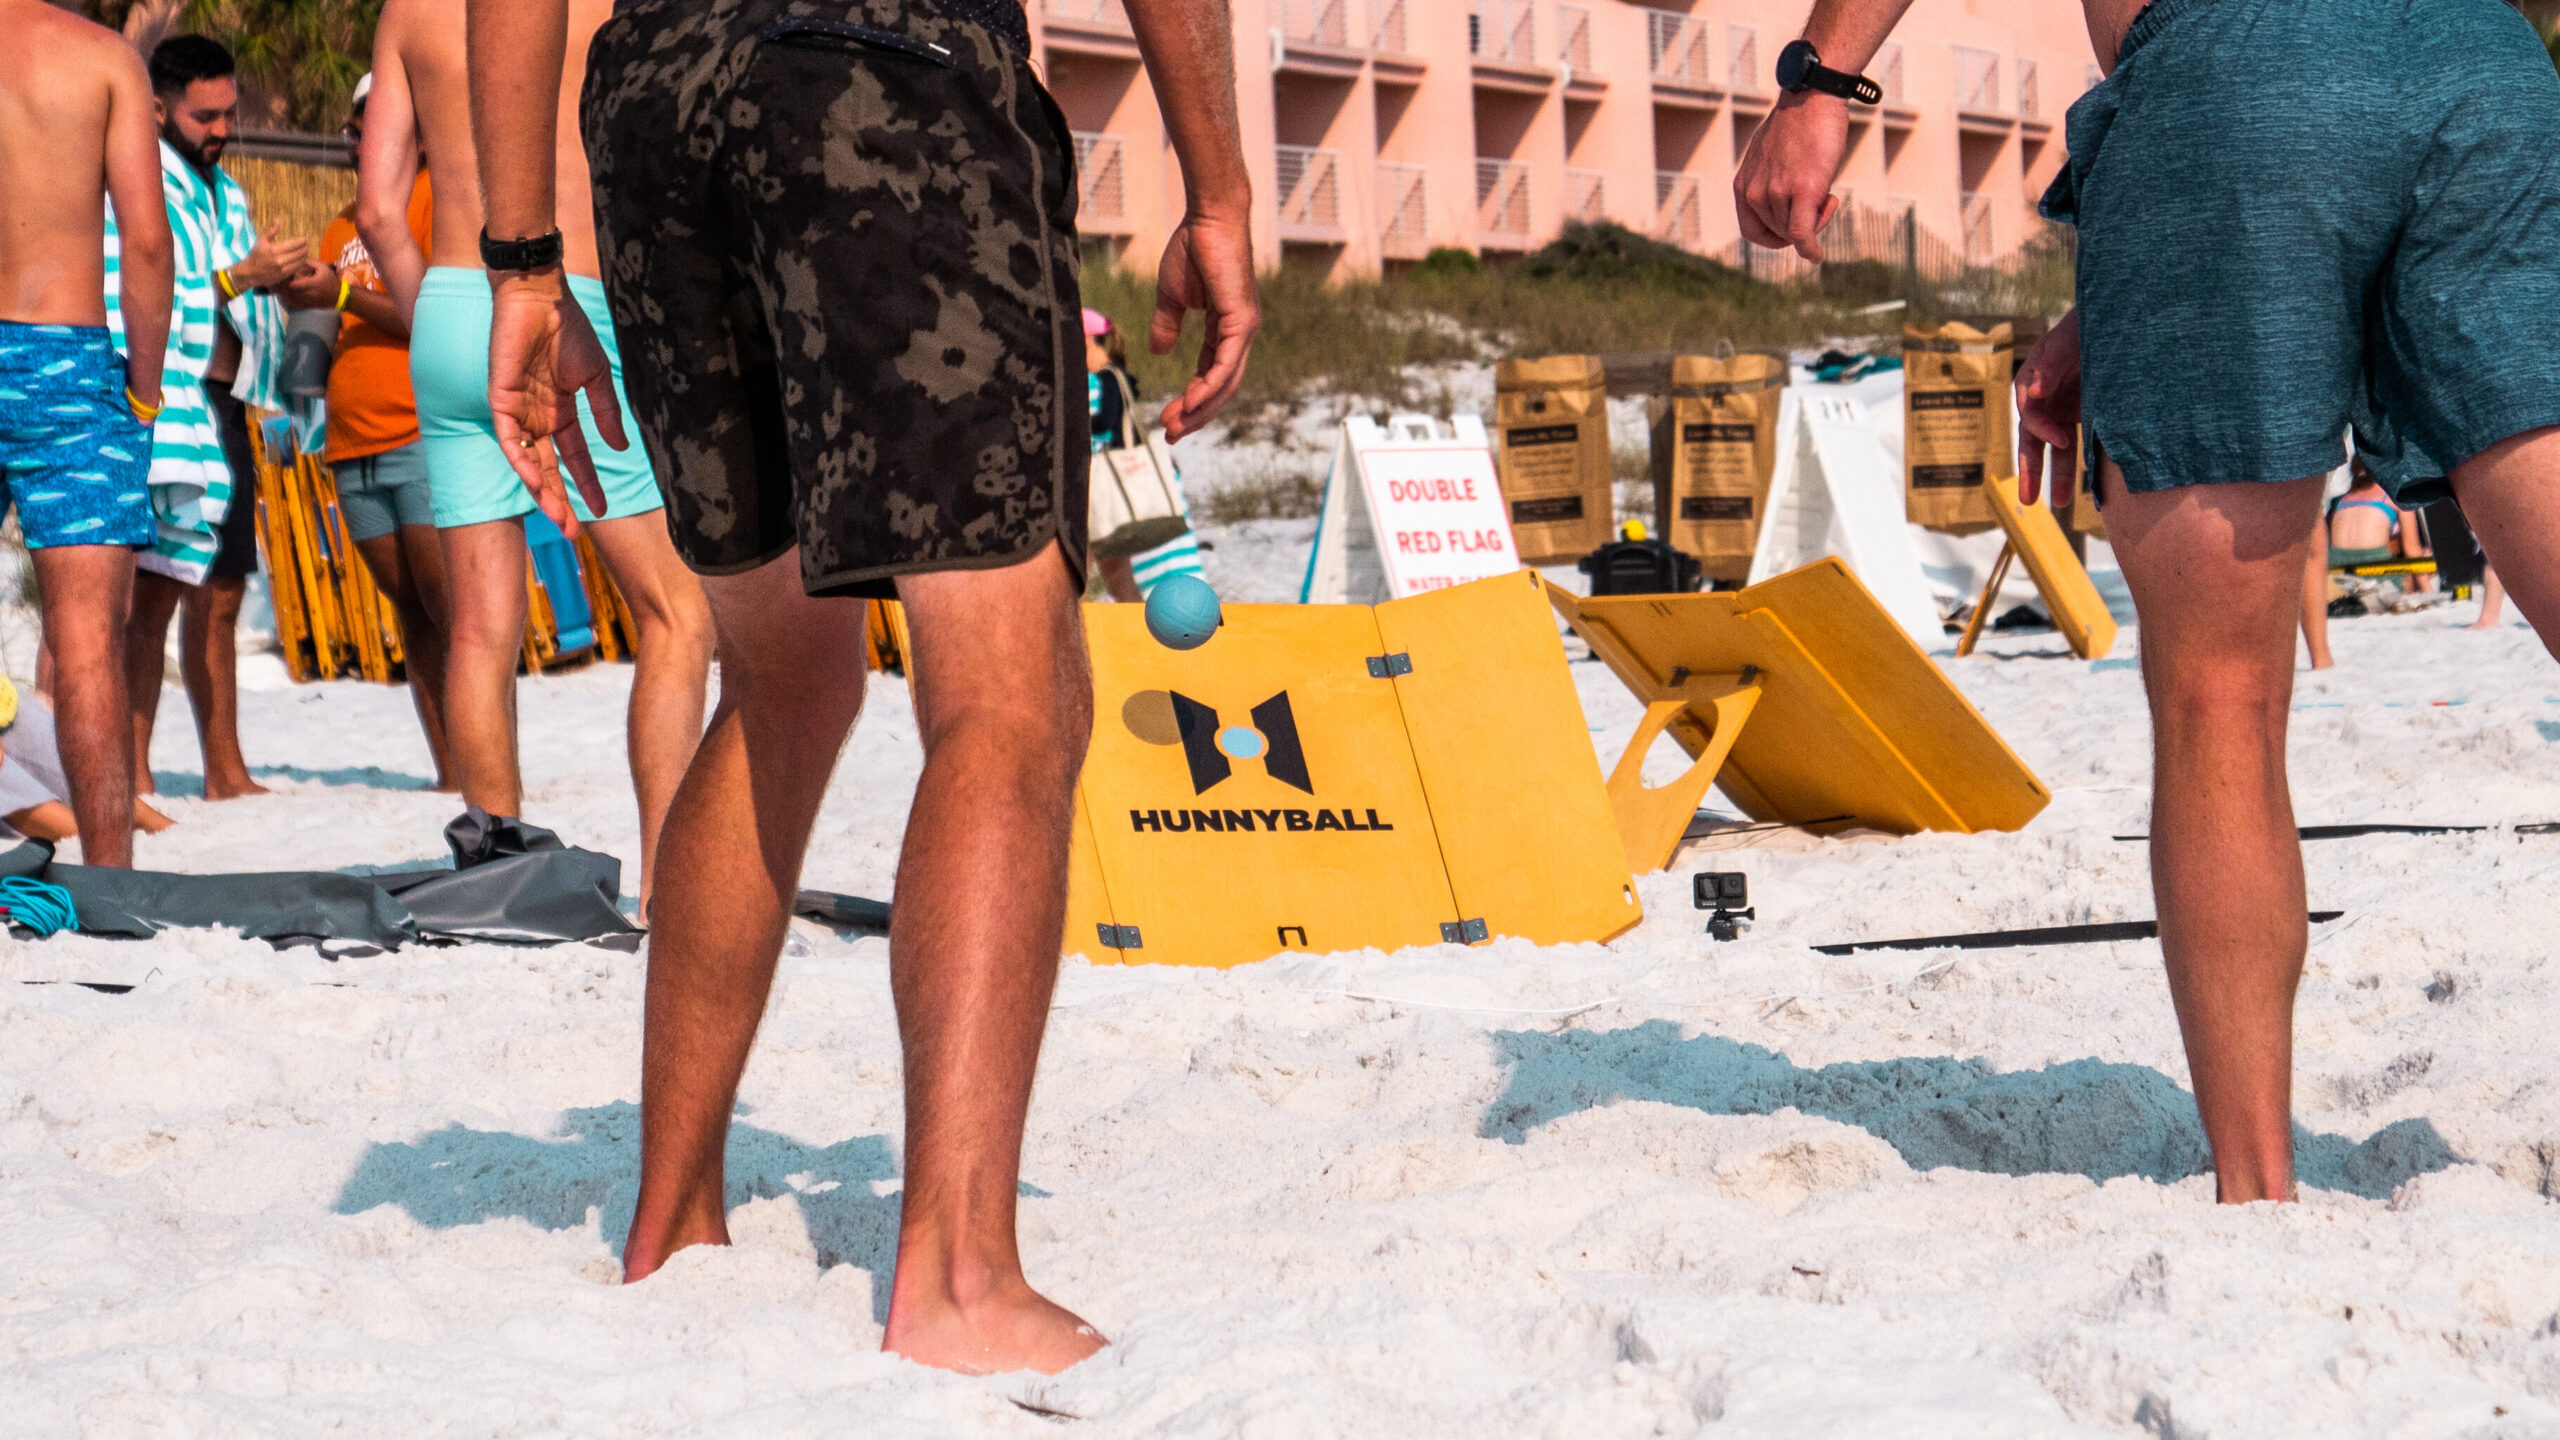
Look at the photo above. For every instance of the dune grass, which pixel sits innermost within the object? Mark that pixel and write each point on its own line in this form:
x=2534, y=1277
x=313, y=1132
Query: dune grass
x=1598, y=288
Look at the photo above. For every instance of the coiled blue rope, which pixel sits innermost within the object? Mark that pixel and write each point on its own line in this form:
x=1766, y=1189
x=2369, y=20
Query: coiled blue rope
x=40, y=905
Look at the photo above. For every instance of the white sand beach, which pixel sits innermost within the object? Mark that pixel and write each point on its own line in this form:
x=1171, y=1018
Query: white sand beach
x=1663, y=1186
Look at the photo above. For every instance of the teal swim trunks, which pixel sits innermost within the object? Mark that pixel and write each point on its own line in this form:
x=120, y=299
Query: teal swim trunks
x=2298, y=216
x=72, y=457
x=467, y=472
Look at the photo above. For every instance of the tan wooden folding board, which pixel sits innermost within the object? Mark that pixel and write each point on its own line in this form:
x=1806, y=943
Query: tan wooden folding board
x=1806, y=703
x=2036, y=537
x=1339, y=777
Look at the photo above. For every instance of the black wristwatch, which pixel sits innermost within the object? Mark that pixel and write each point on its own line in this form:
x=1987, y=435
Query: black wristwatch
x=534, y=252
x=1800, y=69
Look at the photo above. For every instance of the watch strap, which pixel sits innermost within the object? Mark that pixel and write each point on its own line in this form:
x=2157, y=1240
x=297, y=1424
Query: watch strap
x=533, y=252
x=1811, y=74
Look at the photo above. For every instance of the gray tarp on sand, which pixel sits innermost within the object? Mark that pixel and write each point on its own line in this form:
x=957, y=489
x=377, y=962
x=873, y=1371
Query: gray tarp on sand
x=510, y=882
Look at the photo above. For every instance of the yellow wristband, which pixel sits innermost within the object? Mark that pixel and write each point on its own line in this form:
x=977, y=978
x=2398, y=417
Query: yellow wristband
x=343, y=288
x=147, y=414
x=222, y=281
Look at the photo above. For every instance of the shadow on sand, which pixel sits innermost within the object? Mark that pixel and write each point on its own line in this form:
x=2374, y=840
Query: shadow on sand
x=189, y=785
x=459, y=1176
x=2084, y=1117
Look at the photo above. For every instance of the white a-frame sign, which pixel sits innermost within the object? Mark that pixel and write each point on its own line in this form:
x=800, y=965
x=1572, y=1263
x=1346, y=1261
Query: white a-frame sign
x=1836, y=492
x=1409, y=506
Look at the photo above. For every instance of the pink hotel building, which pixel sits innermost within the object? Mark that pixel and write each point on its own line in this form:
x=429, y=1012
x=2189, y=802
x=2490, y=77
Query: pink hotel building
x=1379, y=129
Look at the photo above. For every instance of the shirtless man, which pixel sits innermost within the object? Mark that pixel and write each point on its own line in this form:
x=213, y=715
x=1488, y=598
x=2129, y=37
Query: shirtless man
x=845, y=266
x=2352, y=206
x=76, y=130
x=417, y=100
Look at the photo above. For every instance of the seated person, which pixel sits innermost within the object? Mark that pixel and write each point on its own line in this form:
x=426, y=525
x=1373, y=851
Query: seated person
x=2365, y=528
x=33, y=790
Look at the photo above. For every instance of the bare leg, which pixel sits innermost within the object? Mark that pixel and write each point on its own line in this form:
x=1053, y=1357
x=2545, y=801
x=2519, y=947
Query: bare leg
x=209, y=659
x=791, y=681
x=155, y=603
x=2507, y=491
x=1004, y=706
x=2493, y=596
x=87, y=589
x=484, y=566
x=408, y=566
x=671, y=673
x=1119, y=578
x=2211, y=568
x=2315, y=595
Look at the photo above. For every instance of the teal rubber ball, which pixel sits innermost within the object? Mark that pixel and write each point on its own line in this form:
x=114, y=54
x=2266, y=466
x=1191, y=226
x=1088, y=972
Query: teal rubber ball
x=1182, y=612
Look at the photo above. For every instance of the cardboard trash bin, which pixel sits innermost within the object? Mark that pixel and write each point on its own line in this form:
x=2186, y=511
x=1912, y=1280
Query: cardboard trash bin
x=1552, y=419
x=1715, y=446
x=1958, y=427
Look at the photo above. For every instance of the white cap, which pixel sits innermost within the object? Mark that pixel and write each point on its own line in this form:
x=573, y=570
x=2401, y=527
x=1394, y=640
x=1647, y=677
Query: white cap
x=364, y=87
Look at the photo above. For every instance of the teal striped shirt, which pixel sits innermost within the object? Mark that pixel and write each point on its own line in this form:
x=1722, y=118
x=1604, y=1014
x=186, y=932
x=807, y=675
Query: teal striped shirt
x=191, y=482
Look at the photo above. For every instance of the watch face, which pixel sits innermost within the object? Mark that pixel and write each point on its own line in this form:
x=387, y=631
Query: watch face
x=1792, y=63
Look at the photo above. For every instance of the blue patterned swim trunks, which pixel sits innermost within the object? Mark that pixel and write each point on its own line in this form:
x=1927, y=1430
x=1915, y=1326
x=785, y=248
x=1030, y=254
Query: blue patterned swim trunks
x=72, y=457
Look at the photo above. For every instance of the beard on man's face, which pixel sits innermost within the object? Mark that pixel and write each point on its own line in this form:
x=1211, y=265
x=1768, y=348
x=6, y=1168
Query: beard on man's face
x=203, y=156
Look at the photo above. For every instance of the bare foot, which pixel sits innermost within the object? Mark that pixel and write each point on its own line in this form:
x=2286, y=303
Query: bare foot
x=148, y=820
x=1015, y=1328
x=650, y=1245
x=2481, y=625
x=230, y=788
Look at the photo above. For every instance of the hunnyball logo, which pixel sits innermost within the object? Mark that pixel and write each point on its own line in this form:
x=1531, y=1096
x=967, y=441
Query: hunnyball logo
x=1272, y=739
x=1211, y=749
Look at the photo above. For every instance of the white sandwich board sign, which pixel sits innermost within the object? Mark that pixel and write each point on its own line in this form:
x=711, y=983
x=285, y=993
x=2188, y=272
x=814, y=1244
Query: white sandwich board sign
x=1409, y=506
x=1836, y=492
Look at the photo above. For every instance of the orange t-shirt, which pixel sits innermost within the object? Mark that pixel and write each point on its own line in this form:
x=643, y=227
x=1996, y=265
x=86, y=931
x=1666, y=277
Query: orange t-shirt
x=371, y=407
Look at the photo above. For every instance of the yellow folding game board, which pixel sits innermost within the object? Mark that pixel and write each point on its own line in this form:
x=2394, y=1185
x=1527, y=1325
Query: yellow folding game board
x=2079, y=612
x=1337, y=777
x=1806, y=703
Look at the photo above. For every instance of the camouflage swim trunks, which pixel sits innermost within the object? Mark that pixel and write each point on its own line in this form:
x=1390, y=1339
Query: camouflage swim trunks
x=839, y=239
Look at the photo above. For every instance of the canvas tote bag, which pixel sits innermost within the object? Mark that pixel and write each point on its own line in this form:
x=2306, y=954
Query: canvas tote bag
x=1135, y=501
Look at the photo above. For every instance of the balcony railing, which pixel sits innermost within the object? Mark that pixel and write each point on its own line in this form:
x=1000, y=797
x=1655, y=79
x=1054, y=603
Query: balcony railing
x=2030, y=105
x=1585, y=196
x=1102, y=179
x=1977, y=81
x=1106, y=14
x=1310, y=185
x=1318, y=22
x=1390, y=37
x=1404, y=214
x=1573, y=39
x=1678, y=45
x=1504, y=31
x=1679, y=209
x=1502, y=198
x=1742, y=61
x=1888, y=73
x=1979, y=242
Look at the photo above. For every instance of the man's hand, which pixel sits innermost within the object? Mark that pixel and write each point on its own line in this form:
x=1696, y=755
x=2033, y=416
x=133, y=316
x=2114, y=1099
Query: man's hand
x=1208, y=266
x=271, y=261
x=1782, y=189
x=2049, y=411
x=314, y=288
x=542, y=352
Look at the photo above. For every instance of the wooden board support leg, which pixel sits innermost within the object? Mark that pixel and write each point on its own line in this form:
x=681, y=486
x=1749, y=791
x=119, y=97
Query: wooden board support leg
x=1651, y=821
x=1982, y=603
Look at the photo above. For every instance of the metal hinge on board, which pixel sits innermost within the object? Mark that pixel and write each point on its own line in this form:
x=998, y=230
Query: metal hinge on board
x=1387, y=667
x=1125, y=937
x=1463, y=932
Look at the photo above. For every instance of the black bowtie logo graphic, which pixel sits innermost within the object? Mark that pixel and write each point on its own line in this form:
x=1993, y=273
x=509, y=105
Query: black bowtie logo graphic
x=1275, y=726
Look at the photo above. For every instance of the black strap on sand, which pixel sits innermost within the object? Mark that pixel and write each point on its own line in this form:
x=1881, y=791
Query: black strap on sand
x=2350, y=832
x=2040, y=935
